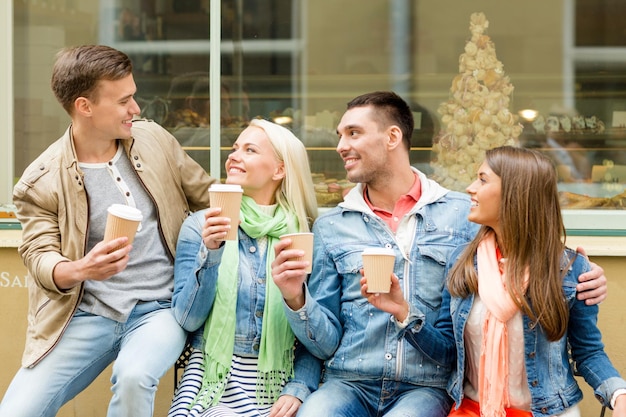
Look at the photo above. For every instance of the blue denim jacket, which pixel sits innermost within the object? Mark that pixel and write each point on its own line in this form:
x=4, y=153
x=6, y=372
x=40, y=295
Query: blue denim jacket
x=548, y=364
x=339, y=326
x=195, y=279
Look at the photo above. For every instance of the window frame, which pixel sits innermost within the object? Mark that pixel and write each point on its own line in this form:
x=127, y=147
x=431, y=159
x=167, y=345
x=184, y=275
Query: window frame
x=6, y=103
x=590, y=222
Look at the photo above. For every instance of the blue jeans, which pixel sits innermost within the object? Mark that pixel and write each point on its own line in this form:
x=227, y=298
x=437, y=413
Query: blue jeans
x=374, y=398
x=143, y=348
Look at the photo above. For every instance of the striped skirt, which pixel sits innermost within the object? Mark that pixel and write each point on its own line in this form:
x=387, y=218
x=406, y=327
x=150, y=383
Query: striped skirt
x=239, y=399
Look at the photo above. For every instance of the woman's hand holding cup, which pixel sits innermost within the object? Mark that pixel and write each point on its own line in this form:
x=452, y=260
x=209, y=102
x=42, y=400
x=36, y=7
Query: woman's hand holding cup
x=215, y=228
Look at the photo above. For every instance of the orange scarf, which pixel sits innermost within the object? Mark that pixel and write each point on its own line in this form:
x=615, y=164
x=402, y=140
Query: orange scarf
x=493, y=390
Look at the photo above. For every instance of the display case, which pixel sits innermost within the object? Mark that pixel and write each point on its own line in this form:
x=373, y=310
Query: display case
x=260, y=62
x=271, y=67
x=592, y=179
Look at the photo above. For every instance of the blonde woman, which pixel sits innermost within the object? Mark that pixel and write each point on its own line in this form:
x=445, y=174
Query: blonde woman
x=245, y=360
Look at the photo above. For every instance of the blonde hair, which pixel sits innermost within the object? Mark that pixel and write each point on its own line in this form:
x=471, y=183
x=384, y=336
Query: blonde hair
x=296, y=193
x=531, y=236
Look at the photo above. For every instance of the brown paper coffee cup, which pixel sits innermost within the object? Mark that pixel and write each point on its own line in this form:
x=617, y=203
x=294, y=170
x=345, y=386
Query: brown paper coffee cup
x=302, y=241
x=378, y=266
x=228, y=198
x=122, y=220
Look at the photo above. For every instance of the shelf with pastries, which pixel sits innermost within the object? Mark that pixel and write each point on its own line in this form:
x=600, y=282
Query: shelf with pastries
x=609, y=139
x=582, y=129
x=590, y=159
x=330, y=191
x=603, y=196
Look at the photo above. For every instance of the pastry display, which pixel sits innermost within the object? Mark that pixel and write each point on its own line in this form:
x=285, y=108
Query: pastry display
x=320, y=129
x=476, y=117
x=540, y=124
x=552, y=124
x=330, y=191
x=574, y=125
x=580, y=201
x=185, y=117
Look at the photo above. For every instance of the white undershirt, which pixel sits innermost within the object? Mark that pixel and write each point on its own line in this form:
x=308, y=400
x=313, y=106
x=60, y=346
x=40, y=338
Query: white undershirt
x=519, y=393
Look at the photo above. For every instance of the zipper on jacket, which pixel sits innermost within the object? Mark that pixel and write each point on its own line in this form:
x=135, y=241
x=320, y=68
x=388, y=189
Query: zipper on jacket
x=158, y=213
x=405, y=291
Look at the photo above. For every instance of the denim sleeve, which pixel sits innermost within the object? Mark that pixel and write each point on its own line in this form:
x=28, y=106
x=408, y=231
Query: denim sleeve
x=316, y=328
x=435, y=341
x=307, y=374
x=195, y=275
x=317, y=324
x=587, y=349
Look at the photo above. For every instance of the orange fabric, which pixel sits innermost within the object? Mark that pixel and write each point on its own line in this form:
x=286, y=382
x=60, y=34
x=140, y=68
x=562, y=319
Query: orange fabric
x=471, y=408
x=493, y=371
x=404, y=204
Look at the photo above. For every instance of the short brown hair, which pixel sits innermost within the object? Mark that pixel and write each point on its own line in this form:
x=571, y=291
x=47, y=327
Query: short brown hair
x=78, y=69
x=391, y=108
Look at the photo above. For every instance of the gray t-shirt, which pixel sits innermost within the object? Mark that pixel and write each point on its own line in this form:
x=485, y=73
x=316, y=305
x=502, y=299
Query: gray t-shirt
x=149, y=274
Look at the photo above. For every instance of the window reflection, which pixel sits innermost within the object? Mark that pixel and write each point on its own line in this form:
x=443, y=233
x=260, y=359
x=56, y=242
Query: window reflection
x=300, y=61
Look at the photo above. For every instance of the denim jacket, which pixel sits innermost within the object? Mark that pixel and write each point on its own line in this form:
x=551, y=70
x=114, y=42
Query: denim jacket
x=548, y=364
x=356, y=340
x=195, y=283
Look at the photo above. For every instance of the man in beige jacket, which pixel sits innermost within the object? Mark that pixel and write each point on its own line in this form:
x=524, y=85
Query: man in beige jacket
x=91, y=304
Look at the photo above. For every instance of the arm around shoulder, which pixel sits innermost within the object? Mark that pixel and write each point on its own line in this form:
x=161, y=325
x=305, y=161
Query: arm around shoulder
x=435, y=340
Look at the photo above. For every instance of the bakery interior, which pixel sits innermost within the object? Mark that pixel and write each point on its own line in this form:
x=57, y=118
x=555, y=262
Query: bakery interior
x=547, y=75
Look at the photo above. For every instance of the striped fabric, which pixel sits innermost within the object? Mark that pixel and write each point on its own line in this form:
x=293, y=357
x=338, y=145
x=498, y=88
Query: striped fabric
x=239, y=399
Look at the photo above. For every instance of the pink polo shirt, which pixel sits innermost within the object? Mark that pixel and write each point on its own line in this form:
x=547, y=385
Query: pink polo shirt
x=402, y=207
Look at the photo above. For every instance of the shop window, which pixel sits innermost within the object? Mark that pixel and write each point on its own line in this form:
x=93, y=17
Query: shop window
x=300, y=62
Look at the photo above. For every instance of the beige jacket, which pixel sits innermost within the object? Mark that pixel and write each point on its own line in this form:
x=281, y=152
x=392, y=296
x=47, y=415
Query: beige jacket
x=53, y=209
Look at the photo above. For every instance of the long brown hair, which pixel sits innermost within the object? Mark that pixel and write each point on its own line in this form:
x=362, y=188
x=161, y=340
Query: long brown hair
x=531, y=236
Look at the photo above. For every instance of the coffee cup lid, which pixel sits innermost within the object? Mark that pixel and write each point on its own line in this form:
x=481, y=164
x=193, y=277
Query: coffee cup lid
x=125, y=212
x=235, y=188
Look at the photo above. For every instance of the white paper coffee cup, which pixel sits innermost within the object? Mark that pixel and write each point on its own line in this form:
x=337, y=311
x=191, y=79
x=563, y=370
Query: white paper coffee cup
x=122, y=220
x=302, y=241
x=228, y=198
x=378, y=266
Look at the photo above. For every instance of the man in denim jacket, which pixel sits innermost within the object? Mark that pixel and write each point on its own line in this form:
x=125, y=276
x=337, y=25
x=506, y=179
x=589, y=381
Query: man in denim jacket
x=370, y=369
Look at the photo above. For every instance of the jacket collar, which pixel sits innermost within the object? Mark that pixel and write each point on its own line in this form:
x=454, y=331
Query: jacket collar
x=69, y=150
x=431, y=192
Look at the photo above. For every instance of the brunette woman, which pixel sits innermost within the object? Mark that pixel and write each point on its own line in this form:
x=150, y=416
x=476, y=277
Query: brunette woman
x=510, y=317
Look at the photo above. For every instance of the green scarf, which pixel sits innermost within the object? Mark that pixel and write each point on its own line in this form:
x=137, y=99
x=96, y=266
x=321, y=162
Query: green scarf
x=277, y=339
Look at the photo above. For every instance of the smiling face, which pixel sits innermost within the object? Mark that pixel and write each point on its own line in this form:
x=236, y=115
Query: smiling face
x=253, y=165
x=362, y=145
x=112, y=108
x=486, y=195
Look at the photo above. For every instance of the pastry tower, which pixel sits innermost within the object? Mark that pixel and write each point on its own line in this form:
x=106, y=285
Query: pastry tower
x=476, y=117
